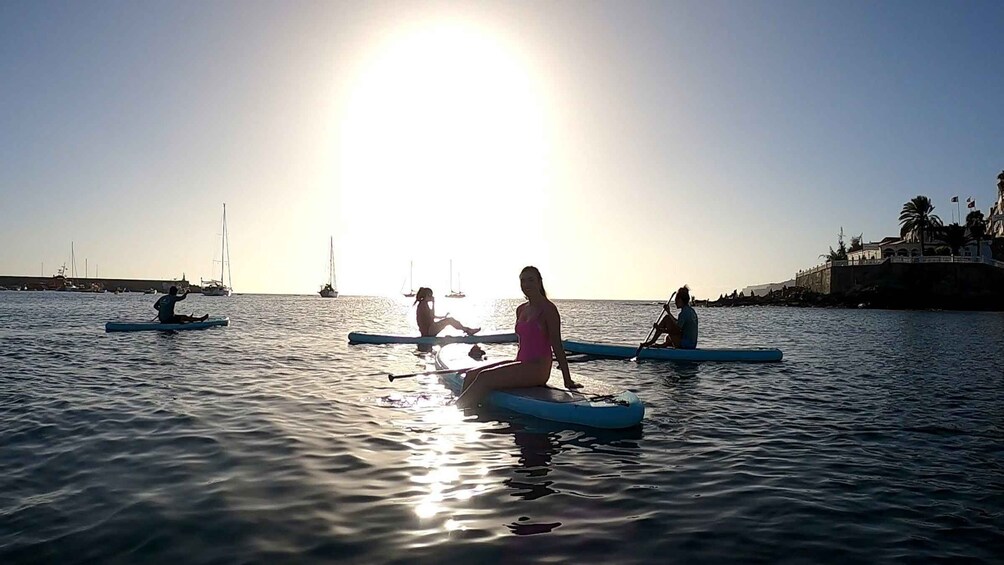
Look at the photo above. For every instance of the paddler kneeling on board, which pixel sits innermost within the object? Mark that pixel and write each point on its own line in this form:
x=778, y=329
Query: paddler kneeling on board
x=538, y=326
x=429, y=324
x=165, y=308
x=681, y=331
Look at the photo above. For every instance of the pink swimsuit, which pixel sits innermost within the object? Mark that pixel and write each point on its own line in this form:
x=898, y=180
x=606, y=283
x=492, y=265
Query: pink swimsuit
x=533, y=342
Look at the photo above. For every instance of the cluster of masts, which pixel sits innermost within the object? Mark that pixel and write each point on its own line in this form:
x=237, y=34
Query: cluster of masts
x=452, y=294
x=211, y=287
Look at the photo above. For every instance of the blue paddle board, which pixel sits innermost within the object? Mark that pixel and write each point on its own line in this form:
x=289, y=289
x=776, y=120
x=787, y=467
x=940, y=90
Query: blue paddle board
x=596, y=404
x=755, y=355
x=360, y=337
x=157, y=326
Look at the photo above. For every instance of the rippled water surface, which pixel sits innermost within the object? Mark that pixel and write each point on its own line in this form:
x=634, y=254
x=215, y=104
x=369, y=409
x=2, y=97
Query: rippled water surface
x=879, y=438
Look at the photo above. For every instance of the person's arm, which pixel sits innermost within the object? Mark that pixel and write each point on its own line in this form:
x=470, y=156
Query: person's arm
x=553, y=321
x=670, y=316
x=182, y=297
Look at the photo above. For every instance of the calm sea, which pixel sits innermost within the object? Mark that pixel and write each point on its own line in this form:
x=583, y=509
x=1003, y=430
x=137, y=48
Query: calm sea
x=879, y=438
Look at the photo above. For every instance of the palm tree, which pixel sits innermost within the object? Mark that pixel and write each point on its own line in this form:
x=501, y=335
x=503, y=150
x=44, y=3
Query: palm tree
x=977, y=229
x=954, y=236
x=856, y=244
x=916, y=217
x=839, y=255
x=841, y=250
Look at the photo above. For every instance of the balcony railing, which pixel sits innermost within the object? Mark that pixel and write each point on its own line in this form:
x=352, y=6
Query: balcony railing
x=928, y=259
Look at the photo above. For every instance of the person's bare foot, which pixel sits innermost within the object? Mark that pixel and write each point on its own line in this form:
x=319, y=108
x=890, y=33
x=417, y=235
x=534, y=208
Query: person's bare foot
x=471, y=331
x=204, y=318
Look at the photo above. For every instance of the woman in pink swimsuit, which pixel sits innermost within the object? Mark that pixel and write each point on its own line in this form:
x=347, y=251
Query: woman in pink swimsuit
x=538, y=325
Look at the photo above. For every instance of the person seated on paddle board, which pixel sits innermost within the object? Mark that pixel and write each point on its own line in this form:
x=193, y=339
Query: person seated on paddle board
x=681, y=331
x=429, y=324
x=165, y=308
x=538, y=326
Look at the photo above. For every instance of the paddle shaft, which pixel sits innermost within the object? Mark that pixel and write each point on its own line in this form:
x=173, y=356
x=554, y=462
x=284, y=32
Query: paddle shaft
x=392, y=378
x=657, y=320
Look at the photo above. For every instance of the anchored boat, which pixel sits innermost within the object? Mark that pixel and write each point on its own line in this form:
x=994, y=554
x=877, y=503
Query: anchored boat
x=330, y=290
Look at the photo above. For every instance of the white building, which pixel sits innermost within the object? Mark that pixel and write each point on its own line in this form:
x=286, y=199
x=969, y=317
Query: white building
x=995, y=222
x=909, y=247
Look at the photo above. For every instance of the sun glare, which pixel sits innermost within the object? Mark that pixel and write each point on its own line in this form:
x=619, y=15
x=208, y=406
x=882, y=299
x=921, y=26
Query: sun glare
x=443, y=124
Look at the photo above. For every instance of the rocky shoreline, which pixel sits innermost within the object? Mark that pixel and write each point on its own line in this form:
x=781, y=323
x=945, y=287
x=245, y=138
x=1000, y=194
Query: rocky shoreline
x=872, y=297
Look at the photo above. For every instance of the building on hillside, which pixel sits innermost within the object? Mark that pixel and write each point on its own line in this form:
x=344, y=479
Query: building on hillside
x=995, y=222
x=909, y=246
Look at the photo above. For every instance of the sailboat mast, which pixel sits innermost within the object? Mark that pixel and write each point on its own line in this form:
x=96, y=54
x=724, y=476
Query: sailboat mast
x=331, y=263
x=223, y=243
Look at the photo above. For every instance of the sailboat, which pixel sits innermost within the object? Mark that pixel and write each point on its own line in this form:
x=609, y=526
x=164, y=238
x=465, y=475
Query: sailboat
x=411, y=280
x=455, y=293
x=330, y=290
x=214, y=287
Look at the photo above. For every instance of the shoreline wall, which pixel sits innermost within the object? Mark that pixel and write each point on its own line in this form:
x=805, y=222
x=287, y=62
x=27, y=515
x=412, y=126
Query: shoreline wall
x=132, y=285
x=943, y=279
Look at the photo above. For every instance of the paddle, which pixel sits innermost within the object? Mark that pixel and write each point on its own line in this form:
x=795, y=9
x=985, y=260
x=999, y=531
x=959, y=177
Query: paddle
x=657, y=320
x=391, y=377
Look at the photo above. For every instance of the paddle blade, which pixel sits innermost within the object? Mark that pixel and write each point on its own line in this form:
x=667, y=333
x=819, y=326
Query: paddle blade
x=637, y=353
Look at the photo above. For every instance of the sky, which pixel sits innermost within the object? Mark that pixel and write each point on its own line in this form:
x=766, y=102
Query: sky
x=625, y=149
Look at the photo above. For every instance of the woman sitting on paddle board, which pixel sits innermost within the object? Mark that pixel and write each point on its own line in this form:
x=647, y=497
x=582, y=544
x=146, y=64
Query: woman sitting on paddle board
x=425, y=315
x=538, y=325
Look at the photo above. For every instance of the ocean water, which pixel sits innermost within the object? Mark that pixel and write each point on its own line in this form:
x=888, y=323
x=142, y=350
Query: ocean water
x=879, y=438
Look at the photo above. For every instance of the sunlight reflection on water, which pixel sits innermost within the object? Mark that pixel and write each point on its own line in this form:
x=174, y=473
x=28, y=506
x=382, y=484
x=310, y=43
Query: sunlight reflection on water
x=295, y=447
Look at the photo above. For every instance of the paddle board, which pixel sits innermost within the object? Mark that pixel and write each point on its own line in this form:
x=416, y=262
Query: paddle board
x=157, y=326
x=596, y=404
x=360, y=337
x=756, y=354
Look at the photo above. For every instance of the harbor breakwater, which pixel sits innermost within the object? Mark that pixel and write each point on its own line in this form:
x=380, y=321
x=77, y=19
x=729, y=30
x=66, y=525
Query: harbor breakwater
x=87, y=284
x=904, y=284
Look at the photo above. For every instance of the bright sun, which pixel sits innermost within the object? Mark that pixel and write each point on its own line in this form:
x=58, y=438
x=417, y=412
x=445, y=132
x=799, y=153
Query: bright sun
x=443, y=124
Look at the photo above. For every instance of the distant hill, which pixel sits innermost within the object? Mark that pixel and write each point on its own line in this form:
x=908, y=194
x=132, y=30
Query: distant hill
x=760, y=289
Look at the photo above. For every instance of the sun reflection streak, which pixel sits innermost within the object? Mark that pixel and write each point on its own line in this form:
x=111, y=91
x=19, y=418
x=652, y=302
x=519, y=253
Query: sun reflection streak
x=450, y=478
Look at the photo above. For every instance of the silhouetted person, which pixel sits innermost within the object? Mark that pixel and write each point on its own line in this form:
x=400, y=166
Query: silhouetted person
x=429, y=324
x=681, y=331
x=165, y=308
